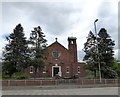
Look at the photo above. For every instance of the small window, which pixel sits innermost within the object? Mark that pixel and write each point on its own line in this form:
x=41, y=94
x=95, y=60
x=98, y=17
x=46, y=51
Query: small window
x=67, y=69
x=31, y=69
x=78, y=69
x=44, y=69
x=37, y=69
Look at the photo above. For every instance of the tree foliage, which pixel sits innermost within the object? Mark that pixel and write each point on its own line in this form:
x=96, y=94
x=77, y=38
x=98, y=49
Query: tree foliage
x=38, y=49
x=105, y=48
x=19, y=53
x=89, y=49
x=116, y=67
x=15, y=53
x=99, y=50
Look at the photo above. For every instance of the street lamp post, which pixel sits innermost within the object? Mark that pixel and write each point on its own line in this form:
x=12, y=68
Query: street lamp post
x=97, y=50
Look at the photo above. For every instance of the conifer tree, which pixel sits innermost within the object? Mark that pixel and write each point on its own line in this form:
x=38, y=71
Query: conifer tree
x=99, y=51
x=15, y=53
x=105, y=48
x=90, y=50
x=38, y=48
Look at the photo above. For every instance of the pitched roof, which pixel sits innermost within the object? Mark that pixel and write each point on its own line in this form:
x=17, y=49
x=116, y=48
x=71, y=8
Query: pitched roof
x=57, y=43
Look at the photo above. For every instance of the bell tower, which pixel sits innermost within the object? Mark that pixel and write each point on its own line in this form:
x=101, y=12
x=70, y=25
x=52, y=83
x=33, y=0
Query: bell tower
x=72, y=47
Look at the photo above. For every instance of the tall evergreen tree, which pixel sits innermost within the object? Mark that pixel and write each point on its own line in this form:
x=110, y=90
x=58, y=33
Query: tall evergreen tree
x=38, y=48
x=15, y=55
x=105, y=50
x=99, y=50
x=90, y=50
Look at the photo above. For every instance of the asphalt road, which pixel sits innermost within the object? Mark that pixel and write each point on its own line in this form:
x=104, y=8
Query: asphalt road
x=59, y=90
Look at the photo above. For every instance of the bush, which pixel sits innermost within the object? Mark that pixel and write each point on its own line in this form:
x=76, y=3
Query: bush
x=19, y=75
x=110, y=74
x=5, y=76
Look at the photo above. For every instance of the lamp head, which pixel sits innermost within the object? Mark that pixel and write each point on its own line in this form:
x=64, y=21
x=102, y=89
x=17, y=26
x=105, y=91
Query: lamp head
x=96, y=20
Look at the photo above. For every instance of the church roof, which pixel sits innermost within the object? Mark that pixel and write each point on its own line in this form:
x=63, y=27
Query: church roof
x=57, y=43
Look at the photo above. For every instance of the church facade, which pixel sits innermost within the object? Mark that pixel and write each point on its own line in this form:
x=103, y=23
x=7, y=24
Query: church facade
x=61, y=62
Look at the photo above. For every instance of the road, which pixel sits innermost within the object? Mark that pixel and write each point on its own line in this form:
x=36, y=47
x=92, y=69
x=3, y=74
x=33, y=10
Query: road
x=38, y=90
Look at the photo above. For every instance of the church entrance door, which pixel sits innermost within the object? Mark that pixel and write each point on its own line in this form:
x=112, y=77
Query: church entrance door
x=56, y=70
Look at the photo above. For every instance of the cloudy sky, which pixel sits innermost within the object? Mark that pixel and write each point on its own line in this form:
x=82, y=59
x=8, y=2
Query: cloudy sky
x=61, y=19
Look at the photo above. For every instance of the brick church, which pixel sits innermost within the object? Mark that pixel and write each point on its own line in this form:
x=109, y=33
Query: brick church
x=62, y=62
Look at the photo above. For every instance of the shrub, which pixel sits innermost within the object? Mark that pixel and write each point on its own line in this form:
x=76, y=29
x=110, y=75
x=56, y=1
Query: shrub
x=5, y=76
x=20, y=75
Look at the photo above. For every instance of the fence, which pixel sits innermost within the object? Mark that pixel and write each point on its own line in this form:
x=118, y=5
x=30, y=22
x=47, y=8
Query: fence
x=59, y=81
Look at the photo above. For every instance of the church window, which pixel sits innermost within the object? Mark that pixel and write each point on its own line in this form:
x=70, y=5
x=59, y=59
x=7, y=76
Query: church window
x=67, y=69
x=44, y=69
x=78, y=69
x=56, y=54
x=31, y=69
x=37, y=69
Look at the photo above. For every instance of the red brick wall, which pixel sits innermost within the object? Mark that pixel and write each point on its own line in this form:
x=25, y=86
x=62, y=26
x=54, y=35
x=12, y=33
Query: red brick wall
x=64, y=54
x=72, y=53
x=82, y=70
x=68, y=57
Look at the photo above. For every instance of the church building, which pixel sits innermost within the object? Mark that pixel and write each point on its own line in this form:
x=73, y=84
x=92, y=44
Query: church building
x=61, y=61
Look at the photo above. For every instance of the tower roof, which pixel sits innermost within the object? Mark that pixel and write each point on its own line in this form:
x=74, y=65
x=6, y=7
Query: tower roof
x=72, y=38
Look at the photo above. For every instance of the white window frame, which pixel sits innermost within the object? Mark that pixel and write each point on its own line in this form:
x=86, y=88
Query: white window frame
x=59, y=73
x=44, y=69
x=78, y=69
x=31, y=69
x=38, y=69
x=67, y=69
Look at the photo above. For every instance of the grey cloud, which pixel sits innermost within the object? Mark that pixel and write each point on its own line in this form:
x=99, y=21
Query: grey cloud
x=108, y=19
x=56, y=16
x=105, y=9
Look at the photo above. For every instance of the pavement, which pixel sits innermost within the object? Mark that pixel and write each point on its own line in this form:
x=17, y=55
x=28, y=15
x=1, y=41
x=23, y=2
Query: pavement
x=59, y=90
